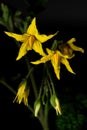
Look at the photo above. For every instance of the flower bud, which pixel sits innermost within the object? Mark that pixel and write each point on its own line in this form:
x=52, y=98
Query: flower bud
x=37, y=105
x=55, y=103
x=23, y=93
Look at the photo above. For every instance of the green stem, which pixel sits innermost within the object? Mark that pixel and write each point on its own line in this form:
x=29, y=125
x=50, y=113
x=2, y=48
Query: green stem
x=8, y=86
x=46, y=115
x=32, y=78
x=43, y=118
x=27, y=76
x=43, y=114
x=51, y=82
x=49, y=75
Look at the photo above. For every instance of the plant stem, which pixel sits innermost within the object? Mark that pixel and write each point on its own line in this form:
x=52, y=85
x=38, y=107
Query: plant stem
x=8, y=86
x=32, y=78
x=43, y=118
x=51, y=82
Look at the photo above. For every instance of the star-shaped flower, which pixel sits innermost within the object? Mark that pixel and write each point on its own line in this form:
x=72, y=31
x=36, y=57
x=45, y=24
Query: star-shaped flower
x=68, y=48
x=31, y=40
x=56, y=58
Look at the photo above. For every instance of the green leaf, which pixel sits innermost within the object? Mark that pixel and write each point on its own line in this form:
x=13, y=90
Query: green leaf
x=5, y=12
x=54, y=45
x=10, y=23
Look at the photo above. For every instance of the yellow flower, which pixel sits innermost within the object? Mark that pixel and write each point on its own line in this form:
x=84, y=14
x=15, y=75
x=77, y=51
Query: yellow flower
x=55, y=103
x=31, y=40
x=56, y=58
x=74, y=47
x=69, y=47
x=22, y=94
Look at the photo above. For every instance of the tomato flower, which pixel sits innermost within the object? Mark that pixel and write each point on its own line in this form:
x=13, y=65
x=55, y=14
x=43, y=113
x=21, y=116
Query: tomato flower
x=30, y=40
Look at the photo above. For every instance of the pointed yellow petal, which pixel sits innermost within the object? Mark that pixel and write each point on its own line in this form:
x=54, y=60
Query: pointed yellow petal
x=43, y=38
x=37, y=47
x=49, y=51
x=71, y=40
x=57, y=107
x=53, y=52
x=75, y=48
x=66, y=63
x=16, y=36
x=20, y=93
x=43, y=59
x=23, y=50
x=56, y=70
x=55, y=60
x=25, y=98
x=32, y=29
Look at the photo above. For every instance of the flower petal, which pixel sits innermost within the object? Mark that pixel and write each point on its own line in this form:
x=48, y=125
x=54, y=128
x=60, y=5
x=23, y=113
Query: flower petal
x=75, y=48
x=66, y=63
x=57, y=107
x=37, y=47
x=25, y=98
x=23, y=50
x=50, y=51
x=20, y=93
x=53, y=52
x=18, y=37
x=32, y=29
x=43, y=38
x=55, y=60
x=43, y=59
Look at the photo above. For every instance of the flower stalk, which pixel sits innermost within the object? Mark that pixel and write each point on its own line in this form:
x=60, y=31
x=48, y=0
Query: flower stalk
x=45, y=94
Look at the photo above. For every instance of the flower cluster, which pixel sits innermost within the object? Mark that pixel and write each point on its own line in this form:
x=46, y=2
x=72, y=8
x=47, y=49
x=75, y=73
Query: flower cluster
x=32, y=40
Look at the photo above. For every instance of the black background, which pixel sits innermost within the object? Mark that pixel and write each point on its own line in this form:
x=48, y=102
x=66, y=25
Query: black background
x=70, y=19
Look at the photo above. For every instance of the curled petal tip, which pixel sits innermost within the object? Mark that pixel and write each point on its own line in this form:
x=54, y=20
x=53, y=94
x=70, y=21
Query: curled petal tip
x=82, y=50
x=18, y=58
x=71, y=40
x=56, y=32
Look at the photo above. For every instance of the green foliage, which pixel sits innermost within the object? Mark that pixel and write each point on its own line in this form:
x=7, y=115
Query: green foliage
x=14, y=20
x=6, y=19
x=73, y=117
x=21, y=24
x=55, y=44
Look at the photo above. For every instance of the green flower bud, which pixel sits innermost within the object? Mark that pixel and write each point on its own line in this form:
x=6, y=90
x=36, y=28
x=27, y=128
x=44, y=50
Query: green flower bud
x=37, y=105
x=55, y=103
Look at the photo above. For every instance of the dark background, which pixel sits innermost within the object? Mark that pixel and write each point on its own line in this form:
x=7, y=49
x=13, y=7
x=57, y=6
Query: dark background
x=70, y=19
